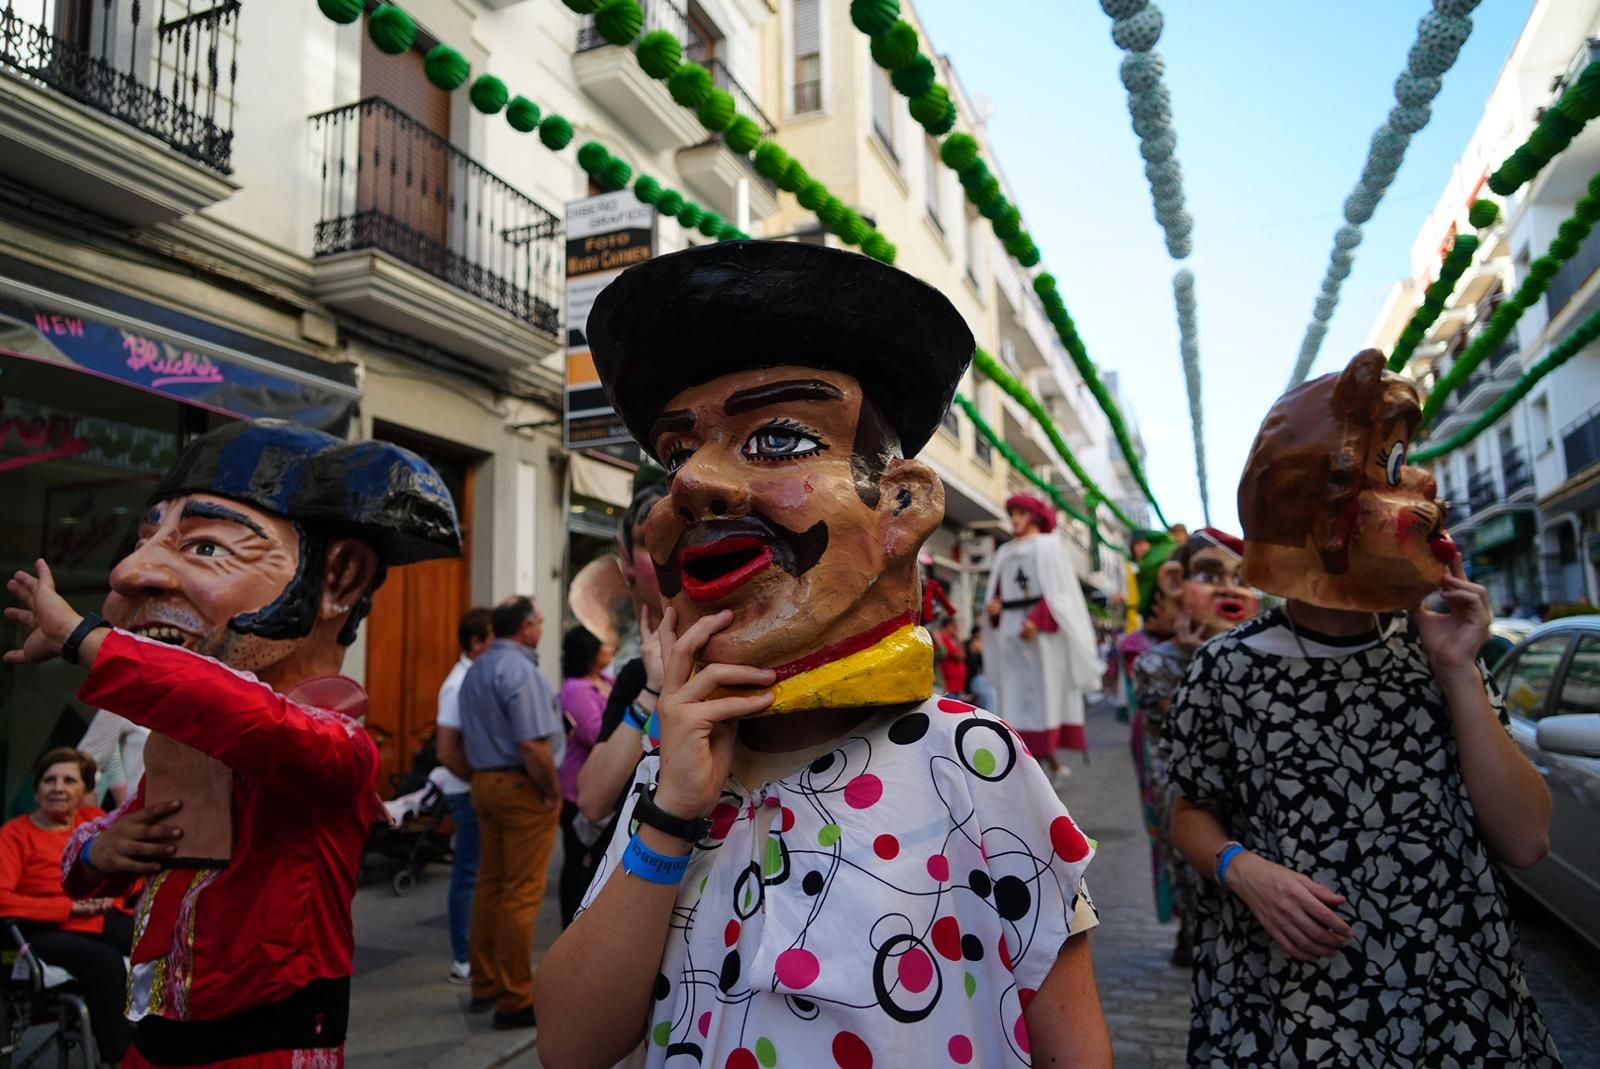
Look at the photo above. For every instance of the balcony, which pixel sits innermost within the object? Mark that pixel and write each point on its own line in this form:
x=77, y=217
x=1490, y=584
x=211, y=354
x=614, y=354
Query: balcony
x=1573, y=274
x=613, y=77
x=1580, y=443
x=416, y=236
x=1482, y=494
x=1516, y=472
x=714, y=171
x=105, y=109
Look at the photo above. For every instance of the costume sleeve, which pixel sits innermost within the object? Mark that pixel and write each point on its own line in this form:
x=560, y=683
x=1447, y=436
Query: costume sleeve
x=15, y=858
x=1201, y=761
x=78, y=880
x=629, y=685
x=1030, y=841
x=1063, y=595
x=1040, y=617
x=231, y=716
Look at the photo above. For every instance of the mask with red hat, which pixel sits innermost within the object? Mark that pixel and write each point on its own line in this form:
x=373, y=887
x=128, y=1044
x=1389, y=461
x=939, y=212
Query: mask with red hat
x=1029, y=515
x=1203, y=577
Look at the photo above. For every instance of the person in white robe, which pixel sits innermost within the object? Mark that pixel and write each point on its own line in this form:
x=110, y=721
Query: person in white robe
x=1039, y=642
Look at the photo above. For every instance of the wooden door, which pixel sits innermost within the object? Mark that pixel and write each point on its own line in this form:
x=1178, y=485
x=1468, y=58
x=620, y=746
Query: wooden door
x=411, y=636
x=404, y=175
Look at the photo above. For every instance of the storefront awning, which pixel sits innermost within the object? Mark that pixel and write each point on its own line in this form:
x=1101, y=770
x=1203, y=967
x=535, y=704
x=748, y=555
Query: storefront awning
x=179, y=357
x=1504, y=529
x=601, y=481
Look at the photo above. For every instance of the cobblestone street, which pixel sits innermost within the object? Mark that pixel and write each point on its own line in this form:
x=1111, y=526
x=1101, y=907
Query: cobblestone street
x=1147, y=999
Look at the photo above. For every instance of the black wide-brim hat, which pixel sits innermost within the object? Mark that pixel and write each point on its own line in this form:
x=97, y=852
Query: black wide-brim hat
x=378, y=492
x=687, y=318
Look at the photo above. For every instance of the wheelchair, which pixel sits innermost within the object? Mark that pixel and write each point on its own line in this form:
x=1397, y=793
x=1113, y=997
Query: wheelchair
x=32, y=995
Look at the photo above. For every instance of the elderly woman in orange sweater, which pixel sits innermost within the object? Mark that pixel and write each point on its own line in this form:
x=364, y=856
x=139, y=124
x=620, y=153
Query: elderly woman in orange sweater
x=87, y=937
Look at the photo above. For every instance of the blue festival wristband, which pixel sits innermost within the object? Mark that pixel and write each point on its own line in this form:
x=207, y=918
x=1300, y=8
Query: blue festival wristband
x=637, y=716
x=88, y=844
x=646, y=864
x=1224, y=861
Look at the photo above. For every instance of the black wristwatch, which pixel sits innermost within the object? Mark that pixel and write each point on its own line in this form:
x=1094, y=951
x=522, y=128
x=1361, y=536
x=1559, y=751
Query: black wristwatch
x=647, y=812
x=92, y=621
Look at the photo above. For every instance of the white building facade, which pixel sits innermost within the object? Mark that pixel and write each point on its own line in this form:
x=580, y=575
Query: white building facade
x=1524, y=493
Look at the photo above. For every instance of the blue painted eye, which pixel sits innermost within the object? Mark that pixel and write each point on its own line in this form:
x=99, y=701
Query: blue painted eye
x=1397, y=460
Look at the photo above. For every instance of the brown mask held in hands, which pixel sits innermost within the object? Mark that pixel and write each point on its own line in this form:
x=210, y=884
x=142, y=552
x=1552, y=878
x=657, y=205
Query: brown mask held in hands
x=1332, y=514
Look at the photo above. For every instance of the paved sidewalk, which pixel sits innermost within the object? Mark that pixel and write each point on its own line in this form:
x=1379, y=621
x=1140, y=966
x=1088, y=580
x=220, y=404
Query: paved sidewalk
x=403, y=1013
x=1146, y=999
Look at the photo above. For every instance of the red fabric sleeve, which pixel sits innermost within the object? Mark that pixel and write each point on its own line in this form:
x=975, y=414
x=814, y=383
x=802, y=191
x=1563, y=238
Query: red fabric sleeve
x=82, y=881
x=1040, y=617
x=15, y=856
x=230, y=716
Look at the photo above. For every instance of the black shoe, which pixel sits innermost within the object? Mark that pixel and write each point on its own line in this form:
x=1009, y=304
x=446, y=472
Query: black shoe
x=520, y=1019
x=480, y=1005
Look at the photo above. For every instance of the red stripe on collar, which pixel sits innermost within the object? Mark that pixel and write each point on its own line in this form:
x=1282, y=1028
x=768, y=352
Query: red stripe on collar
x=845, y=647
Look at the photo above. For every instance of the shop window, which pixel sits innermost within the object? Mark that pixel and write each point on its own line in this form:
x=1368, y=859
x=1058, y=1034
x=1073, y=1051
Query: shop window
x=79, y=457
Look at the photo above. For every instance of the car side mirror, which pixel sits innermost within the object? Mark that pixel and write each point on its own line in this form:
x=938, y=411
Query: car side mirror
x=1576, y=734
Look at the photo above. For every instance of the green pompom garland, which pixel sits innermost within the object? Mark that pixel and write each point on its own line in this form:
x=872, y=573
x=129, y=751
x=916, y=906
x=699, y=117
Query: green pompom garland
x=742, y=135
x=716, y=112
x=896, y=47
x=619, y=21
x=522, y=114
x=915, y=78
x=344, y=12
x=555, y=132
x=873, y=17
x=690, y=85
x=489, y=94
x=446, y=68
x=392, y=29
x=660, y=54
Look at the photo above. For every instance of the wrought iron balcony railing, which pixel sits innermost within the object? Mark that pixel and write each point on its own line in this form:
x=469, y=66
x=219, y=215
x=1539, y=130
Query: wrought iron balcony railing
x=1515, y=470
x=1580, y=443
x=392, y=184
x=746, y=104
x=1573, y=274
x=1481, y=491
x=174, y=80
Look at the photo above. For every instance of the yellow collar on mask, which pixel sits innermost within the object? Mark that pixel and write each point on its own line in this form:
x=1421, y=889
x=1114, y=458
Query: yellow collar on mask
x=895, y=670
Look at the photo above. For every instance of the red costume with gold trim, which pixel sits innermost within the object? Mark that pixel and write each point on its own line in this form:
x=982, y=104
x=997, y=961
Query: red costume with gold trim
x=214, y=943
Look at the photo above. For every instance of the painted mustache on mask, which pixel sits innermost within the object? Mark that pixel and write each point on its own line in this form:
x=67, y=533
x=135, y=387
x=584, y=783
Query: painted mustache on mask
x=796, y=552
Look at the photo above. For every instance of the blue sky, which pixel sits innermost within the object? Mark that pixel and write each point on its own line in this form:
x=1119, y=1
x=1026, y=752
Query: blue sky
x=1274, y=103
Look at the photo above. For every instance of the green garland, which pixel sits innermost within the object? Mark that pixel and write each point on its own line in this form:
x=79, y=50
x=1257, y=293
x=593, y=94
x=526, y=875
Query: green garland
x=390, y=27
x=992, y=370
x=914, y=76
x=1456, y=261
x=1560, y=123
x=1570, y=234
x=1569, y=347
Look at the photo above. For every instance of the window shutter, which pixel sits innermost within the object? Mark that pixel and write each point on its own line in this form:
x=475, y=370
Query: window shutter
x=807, y=28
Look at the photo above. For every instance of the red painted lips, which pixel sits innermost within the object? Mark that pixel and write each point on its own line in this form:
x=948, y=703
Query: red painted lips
x=714, y=570
x=1444, y=547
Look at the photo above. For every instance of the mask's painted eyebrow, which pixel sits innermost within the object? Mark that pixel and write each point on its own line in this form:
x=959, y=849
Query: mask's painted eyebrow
x=676, y=419
x=777, y=392
x=207, y=510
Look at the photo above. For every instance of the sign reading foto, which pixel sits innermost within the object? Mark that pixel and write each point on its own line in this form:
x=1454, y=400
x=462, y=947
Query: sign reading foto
x=605, y=235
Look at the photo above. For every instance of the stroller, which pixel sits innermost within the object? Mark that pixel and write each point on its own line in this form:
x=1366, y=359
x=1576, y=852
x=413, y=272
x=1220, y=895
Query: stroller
x=415, y=828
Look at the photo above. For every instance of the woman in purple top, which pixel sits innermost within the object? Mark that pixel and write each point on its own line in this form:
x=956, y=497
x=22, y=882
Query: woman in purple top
x=584, y=690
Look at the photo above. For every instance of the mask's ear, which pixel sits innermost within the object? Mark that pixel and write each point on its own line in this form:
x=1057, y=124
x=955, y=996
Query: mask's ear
x=350, y=568
x=1170, y=579
x=913, y=496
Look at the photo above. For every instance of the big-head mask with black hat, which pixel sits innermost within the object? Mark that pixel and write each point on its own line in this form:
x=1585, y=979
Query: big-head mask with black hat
x=263, y=545
x=785, y=387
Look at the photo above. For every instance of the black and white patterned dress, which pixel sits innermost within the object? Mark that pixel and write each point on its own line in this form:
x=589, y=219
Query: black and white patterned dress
x=1343, y=766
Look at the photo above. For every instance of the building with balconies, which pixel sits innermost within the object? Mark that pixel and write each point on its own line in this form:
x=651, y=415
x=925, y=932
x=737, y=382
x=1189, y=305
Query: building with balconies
x=1523, y=509
x=838, y=113
x=217, y=209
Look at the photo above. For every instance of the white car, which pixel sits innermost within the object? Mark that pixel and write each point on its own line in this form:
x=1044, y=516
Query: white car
x=1551, y=684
